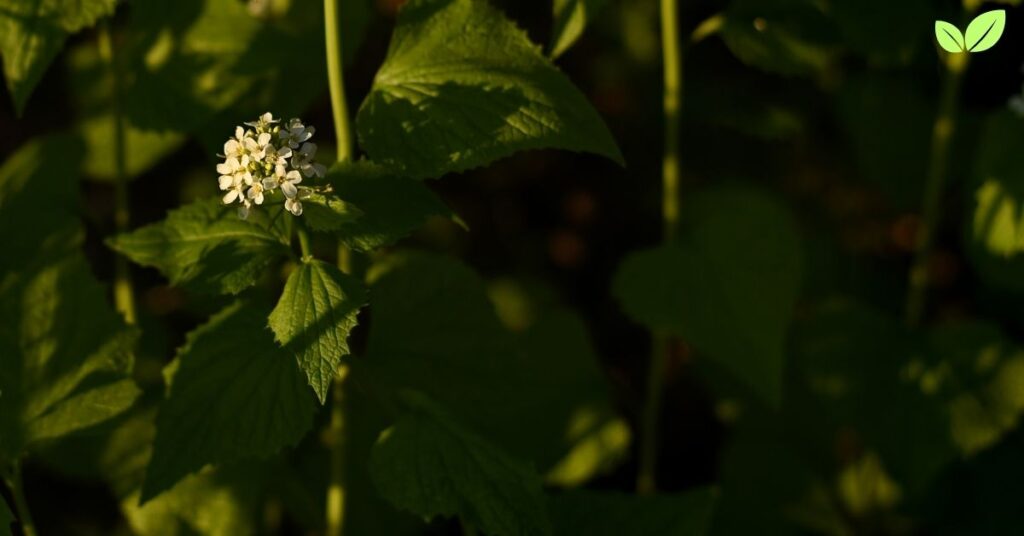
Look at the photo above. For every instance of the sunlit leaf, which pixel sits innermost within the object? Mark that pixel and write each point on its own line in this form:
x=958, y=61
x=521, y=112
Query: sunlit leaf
x=995, y=230
x=207, y=246
x=570, y=19
x=234, y=395
x=58, y=374
x=313, y=318
x=463, y=86
x=429, y=464
x=32, y=33
x=728, y=287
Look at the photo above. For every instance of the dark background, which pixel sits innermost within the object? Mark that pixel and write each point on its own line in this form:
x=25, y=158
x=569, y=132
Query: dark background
x=844, y=144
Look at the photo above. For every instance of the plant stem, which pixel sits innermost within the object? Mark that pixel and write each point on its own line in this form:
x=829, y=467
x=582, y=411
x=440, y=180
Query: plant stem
x=938, y=169
x=672, y=58
x=339, y=106
x=343, y=136
x=307, y=252
x=124, y=299
x=17, y=486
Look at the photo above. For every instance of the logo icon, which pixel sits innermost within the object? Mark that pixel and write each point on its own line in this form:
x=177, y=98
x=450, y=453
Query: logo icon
x=982, y=33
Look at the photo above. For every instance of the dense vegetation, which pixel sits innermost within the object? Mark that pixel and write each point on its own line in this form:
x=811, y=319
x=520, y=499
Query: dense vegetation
x=385, y=267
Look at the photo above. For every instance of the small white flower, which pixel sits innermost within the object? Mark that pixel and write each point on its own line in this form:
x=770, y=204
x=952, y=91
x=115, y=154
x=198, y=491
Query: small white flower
x=255, y=193
x=288, y=183
x=303, y=161
x=295, y=133
x=263, y=123
x=294, y=206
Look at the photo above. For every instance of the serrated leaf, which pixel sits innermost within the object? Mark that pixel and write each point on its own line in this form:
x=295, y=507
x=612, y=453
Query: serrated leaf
x=313, y=318
x=462, y=86
x=234, y=395
x=32, y=33
x=428, y=464
x=949, y=37
x=985, y=31
x=597, y=513
x=206, y=245
x=57, y=373
x=571, y=18
x=391, y=206
x=327, y=212
x=461, y=356
x=728, y=287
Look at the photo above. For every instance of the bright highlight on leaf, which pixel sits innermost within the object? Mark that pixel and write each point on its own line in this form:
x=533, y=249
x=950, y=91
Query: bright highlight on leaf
x=231, y=397
x=314, y=317
x=463, y=86
x=982, y=33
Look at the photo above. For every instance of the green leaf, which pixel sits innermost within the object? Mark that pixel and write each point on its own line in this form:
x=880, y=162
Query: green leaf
x=571, y=17
x=234, y=395
x=32, y=33
x=461, y=356
x=728, y=288
x=32, y=180
x=57, y=373
x=982, y=374
x=207, y=246
x=791, y=38
x=995, y=231
x=327, y=212
x=949, y=37
x=462, y=86
x=193, y=76
x=985, y=30
x=313, y=318
x=391, y=206
x=427, y=463
x=597, y=513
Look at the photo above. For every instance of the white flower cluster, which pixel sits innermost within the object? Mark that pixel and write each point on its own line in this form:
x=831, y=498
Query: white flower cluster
x=266, y=157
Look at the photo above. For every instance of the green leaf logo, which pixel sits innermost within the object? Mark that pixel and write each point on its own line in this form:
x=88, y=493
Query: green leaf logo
x=982, y=33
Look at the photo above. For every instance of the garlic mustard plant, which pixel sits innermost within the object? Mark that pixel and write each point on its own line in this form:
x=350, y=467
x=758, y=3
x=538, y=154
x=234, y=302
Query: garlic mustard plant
x=266, y=156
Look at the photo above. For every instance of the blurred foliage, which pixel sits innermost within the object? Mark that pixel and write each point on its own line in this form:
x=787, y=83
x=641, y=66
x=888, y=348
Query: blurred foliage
x=798, y=399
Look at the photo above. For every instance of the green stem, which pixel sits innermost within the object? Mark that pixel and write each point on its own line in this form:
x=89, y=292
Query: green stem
x=307, y=252
x=124, y=298
x=938, y=170
x=467, y=528
x=672, y=58
x=339, y=106
x=28, y=528
x=345, y=150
